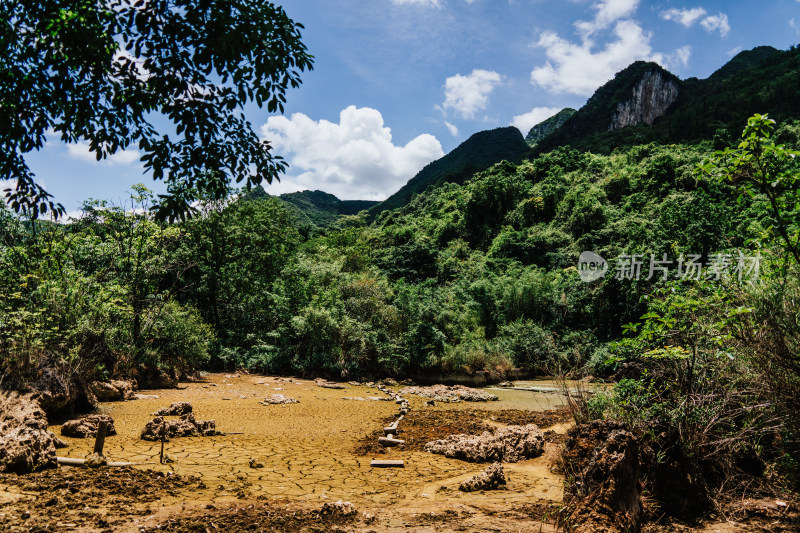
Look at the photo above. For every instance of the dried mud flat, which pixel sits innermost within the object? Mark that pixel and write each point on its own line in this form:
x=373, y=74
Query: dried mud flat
x=309, y=455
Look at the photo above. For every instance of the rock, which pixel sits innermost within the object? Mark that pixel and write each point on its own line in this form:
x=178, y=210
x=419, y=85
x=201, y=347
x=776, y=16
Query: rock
x=510, y=444
x=490, y=479
x=185, y=426
x=176, y=409
x=86, y=427
x=650, y=98
x=256, y=464
x=58, y=443
x=113, y=391
x=389, y=382
x=605, y=492
x=339, y=508
x=53, y=391
x=152, y=378
x=329, y=384
x=279, y=399
x=25, y=444
x=95, y=460
x=452, y=394
x=506, y=385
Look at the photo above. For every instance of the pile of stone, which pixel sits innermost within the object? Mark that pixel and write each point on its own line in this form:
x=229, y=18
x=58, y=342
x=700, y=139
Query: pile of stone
x=490, y=479
x=510, y=444
x=451, y=394
x=185, y=426
x=86, y=427
x=113, y=391
x=25, y=444
x=278, y=399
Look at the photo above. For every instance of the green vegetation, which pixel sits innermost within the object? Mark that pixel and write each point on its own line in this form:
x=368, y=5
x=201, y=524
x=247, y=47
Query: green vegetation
x=100, y=71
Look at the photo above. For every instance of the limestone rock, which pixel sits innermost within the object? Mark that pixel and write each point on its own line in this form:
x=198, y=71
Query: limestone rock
x=651, y=97
x=95, y=460
x=87, y=426
x=176, y=409
x=185, y=426
x=339, y=508
x=451, y=394
x=279, y=399
x=151, y=378
x=490, y=479
x=113, y=391
x=53, y=391
x=328, y=384
x=510, y=444
x=25, y=444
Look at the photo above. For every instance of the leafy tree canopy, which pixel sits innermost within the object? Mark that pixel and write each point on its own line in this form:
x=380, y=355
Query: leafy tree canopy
x=100, y=71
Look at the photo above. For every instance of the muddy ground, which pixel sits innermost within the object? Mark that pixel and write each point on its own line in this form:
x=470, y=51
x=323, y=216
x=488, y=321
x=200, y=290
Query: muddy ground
x=313, y=453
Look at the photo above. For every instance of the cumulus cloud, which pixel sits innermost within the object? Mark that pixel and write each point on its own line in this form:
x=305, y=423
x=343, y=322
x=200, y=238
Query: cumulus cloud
x=683, y=53
x=688, y=17
x=533, y=117
x=716, y=22
x=578, y=69
x=81, y=152
x=466, y=95
x=354, y=159
x=793, y=24
x=608, y=12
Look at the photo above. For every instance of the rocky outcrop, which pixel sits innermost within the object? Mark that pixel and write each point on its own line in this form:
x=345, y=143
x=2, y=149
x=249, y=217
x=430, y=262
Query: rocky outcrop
x=651, y=97
x=490, y=479
x=510, y=444
x=277, y=399
x=154, y=378
x=54, y=392
x=176, y=409
x=453, y=393
x=546, y=127
x=325, y=384
x=338, y=508
x=113, y=391
x=605, y=493
x=87, y=426
x=25, y=444
x=185, y=426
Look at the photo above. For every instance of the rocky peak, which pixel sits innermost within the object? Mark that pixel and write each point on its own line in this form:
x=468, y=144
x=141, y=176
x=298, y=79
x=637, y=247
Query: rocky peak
x=650, y=98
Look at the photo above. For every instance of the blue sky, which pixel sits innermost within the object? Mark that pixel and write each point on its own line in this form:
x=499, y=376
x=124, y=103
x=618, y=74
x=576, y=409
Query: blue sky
x=399, y=83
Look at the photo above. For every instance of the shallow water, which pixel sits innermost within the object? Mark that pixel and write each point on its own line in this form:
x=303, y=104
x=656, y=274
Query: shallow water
x=306, y=448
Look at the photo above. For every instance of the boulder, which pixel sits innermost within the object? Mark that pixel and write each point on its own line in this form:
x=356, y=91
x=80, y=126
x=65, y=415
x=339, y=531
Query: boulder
x=155, y=378
x=605, y=493
x=185, y=426
x=328, y=384
x=176, y=409
x=339, y=508
x=25, y=444
x=490, y=479
x=278, y=399
x=87, y=426
x=53, y=391
x=510, y=444
x=113, y=391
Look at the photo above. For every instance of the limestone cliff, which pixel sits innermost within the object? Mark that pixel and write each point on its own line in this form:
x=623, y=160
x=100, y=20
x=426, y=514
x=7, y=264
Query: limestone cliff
x=650, y=98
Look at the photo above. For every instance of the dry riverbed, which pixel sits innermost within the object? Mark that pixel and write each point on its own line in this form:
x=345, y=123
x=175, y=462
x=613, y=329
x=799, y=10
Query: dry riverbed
x=313, y=452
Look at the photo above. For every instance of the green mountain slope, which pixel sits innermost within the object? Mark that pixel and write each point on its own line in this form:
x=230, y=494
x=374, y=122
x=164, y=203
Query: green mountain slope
x=321, y=209
x=477, y=153
x=546, y=127
x=762, y=80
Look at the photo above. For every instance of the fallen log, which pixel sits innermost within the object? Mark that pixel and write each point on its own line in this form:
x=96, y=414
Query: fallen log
x=389, y=442
x=387, y=463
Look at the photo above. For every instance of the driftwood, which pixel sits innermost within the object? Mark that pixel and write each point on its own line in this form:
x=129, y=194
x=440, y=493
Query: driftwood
x=387, y=463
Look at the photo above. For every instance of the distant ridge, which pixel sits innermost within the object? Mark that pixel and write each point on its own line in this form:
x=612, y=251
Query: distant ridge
x=477, y=153
x=321, y=209
x=546, y=127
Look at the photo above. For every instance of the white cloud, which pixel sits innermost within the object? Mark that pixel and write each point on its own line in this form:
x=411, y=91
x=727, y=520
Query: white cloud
x=716, y=22
x=733, y=51
x=683, y=54
x=687, y=17
x=577, y=69
x=466, y=95
x=608, y=12
x=354, y=159
x=533, y=117
x=432, y=3
x=793, y=24
x=81, y=152
x=452, y=129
